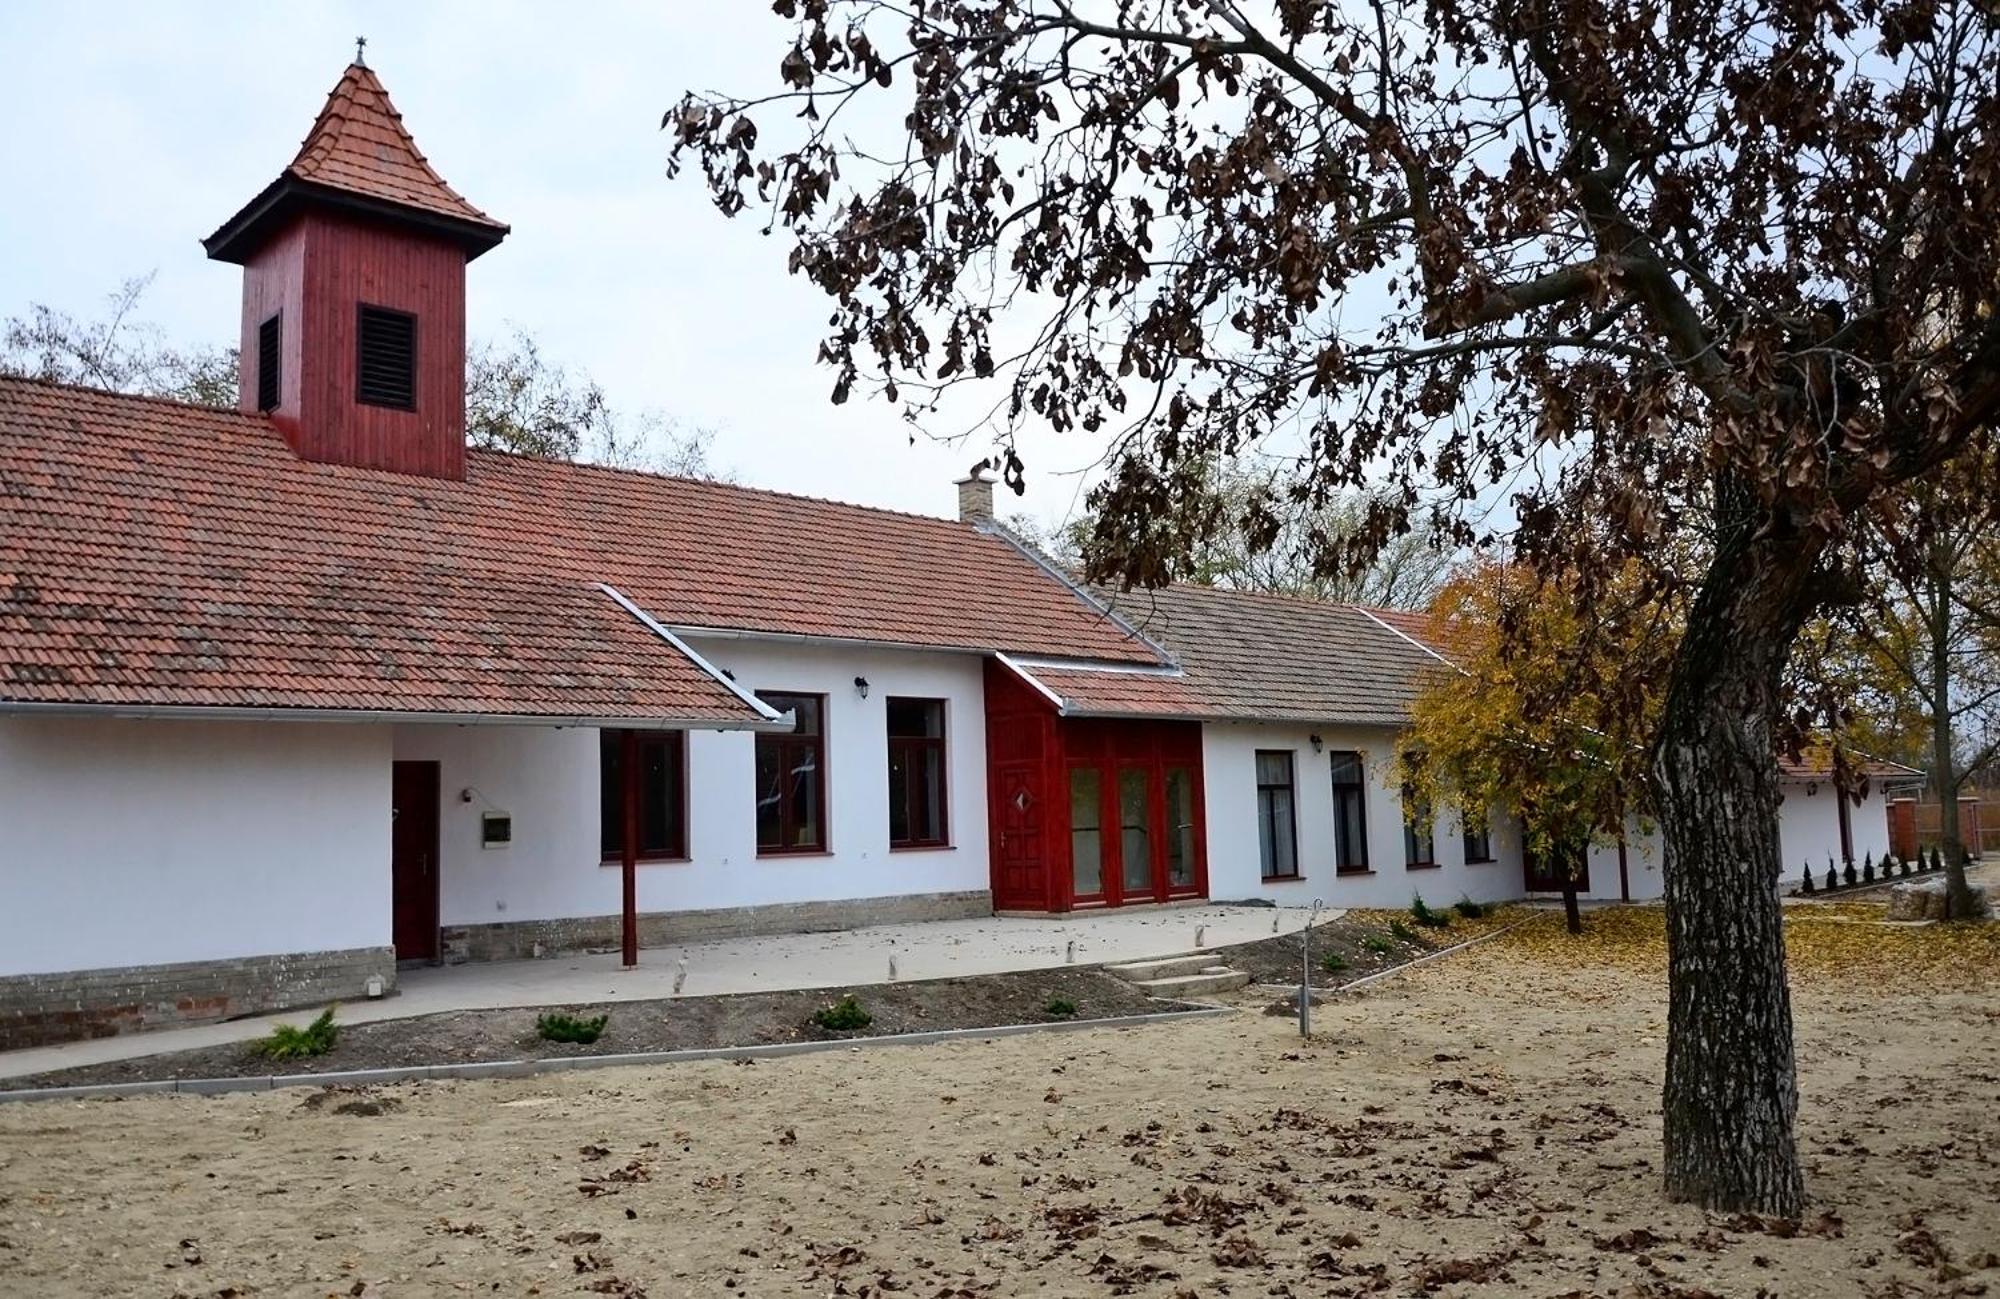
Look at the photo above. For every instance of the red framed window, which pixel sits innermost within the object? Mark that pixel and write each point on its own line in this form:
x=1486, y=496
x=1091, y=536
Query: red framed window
x=791, y=777
x=1277, y=826
x=662, y=766
x=1419, y=831
x=1350, y=813
x=917, y=815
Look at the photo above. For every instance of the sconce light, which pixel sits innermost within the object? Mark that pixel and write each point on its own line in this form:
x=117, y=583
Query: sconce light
x=861, y=686
x=1317, y=743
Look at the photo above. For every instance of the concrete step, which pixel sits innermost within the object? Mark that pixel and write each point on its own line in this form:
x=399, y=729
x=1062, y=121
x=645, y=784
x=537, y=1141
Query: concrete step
x=1220, y=979
x=1162, y=967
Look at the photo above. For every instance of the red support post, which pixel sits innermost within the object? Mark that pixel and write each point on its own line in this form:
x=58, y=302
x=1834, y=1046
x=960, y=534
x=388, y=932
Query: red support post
x=629, y=863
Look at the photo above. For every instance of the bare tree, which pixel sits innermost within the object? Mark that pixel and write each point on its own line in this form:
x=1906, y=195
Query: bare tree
x=1927, y=635
x=117, y=351
x=1707, y=266
x=516, y=398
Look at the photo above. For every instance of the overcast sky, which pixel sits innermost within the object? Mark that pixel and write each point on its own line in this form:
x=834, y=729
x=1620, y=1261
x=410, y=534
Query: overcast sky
x=134, y=129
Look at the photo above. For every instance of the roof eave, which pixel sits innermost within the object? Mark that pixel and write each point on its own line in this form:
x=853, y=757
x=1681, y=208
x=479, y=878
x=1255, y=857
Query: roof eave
x=279, y=713
x=239, y=238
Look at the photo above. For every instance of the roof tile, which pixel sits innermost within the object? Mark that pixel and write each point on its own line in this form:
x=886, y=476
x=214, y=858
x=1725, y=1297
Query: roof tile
x=153, y=552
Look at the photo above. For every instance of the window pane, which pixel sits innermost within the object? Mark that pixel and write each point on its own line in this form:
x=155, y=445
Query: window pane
x=655, y=830
x=803, y=762
x=1277, y=841
x=611, y=793
x=1274, y=768
x=899, y=794
x=1135, y=829
x=1350, y=830
x=1346, y=768
x=917, y=718
x=770, y=793
x=1180, y=828
x=1085, y=843
x=930, y=794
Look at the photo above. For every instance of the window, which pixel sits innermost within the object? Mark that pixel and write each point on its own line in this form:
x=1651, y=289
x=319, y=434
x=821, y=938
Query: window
x=1277, y=831
x=1419, y=838
x=916, y=774
x=1350, y=815
x=1135, y=829
x=1086, y=832
x=386, y=358
x=1478, y=829
x=269, y=358
x=662, y=766
x=1180, y=828
x=791, y=778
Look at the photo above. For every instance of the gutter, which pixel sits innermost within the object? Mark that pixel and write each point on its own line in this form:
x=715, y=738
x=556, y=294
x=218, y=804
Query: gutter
x=253, y=713
x=1030, y=679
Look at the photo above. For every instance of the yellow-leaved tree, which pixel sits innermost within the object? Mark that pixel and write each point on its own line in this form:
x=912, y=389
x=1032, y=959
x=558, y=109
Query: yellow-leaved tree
x=1548, y=708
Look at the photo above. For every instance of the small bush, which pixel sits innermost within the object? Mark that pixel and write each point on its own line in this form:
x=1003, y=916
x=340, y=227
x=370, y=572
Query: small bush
x=1808, y=887
x=1333, y=963
x=1402, y=931
x=559, y=1027
x=843, y=1016
x=1378, y=944
x=290, y=1042
x=1469, y=909
x=1059, y=1008
x=1426, y=917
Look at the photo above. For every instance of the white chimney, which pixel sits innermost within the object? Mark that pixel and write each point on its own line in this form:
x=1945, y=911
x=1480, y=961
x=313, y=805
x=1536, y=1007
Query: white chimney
x=975, y=495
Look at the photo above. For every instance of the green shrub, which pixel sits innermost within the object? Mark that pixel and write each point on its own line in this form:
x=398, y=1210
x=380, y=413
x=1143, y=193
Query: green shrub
x=1469, y=909
x=1333, y=963
x=1377, y=943
x=556, y=1026
x=290, y=1042
x=1059, y=1008
x=1402, y=931
x=843, y=1016
x=1426, y=917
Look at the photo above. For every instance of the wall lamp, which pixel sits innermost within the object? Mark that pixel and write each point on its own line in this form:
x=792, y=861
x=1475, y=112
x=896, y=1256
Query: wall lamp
x=861, y=686
x=1317, y=743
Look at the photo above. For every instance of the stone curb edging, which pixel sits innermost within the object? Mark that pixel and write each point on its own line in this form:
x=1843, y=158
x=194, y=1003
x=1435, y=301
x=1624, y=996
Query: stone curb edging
x=568, y=1063
x=1320, y=994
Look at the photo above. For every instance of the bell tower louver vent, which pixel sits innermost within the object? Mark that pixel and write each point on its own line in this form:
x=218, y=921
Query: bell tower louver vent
x=386, y=364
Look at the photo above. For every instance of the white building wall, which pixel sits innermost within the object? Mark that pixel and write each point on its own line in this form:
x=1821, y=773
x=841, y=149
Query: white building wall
x=547, y=780
x=1229, y=774
x=140, y=842
x=1808, y=831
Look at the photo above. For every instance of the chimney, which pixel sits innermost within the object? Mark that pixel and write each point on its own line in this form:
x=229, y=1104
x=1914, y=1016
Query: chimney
x=354, y=292
x=975, y=495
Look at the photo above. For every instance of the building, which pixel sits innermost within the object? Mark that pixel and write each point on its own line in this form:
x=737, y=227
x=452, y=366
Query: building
x=292, y=692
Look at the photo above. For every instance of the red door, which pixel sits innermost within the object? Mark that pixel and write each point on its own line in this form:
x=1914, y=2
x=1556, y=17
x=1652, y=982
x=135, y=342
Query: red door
x=1021, y=879
x=413, y=857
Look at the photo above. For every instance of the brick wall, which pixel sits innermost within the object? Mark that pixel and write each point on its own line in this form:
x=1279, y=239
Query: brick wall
x=37, y=1009
x=513, y=940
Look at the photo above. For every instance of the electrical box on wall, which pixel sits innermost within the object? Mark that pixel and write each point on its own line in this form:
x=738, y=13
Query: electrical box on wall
x=496, y=829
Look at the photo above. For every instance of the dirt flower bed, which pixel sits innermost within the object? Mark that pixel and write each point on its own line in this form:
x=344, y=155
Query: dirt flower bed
x=749, y=1019
x=1360, y=943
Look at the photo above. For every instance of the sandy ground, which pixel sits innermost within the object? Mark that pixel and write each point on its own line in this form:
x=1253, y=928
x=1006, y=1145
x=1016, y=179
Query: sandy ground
x=1483, y=1125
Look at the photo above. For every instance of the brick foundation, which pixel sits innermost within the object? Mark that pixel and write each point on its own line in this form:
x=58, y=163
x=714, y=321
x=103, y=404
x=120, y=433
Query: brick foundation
x=517, y=939
x=38, y=1009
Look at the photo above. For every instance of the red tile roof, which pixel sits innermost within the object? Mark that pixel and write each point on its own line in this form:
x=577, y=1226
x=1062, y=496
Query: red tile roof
x=358, y=144
x=158, y=553
x=358, y=147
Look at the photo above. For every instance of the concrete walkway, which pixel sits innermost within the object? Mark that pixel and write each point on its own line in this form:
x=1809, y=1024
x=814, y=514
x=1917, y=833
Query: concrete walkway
x=784, y=962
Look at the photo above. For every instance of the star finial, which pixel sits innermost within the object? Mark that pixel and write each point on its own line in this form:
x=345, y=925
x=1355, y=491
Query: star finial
x=360, y=45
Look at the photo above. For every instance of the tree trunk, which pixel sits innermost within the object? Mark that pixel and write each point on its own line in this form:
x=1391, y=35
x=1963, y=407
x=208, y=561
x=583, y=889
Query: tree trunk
x=1731, y=1092
x=1958, y=903
x=1572, y=915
